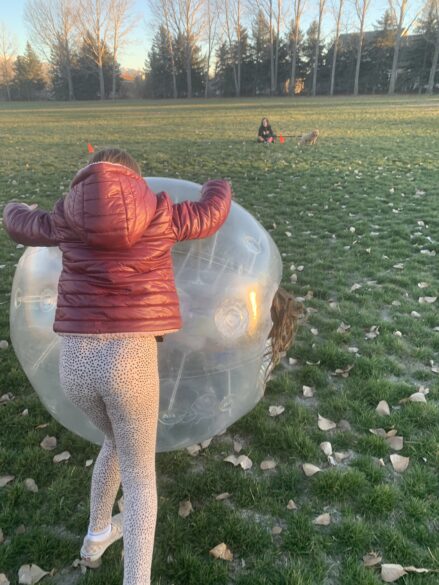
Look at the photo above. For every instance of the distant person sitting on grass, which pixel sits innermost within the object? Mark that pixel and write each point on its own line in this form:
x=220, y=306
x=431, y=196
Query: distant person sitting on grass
x=265, y=133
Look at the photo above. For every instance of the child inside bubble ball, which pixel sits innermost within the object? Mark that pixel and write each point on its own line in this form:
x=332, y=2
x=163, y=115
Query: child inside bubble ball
x=116, y=294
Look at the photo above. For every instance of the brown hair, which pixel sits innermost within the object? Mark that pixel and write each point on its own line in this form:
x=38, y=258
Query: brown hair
x=118, y=156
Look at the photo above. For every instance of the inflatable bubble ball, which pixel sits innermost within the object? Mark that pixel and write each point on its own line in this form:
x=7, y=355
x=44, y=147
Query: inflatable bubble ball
x=214, y=370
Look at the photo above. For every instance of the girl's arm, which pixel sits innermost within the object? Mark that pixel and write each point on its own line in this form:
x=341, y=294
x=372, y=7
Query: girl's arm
x=29, y=226
x=193, y=220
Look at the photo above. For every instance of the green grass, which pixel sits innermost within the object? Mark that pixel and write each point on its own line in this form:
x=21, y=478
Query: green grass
x=375, y=160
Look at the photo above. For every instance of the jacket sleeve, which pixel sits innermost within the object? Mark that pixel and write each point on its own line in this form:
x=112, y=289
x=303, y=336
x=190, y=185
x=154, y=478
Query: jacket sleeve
x=30, y=227
x=193, y=220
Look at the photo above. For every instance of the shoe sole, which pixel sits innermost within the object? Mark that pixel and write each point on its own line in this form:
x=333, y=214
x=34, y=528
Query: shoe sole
x=97, y=556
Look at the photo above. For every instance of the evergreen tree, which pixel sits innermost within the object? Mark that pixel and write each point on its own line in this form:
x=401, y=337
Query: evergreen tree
x=29, y=79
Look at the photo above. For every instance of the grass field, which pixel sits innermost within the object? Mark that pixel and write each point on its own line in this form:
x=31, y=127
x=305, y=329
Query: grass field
x=362, y=208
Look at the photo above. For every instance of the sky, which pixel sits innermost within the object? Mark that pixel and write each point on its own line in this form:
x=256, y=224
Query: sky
x=133, y=56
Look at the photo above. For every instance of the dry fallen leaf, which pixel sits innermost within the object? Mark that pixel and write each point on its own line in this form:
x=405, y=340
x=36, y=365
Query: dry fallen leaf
x=223, y=496
x=30, y=574
x=310, y=469
x=355, y=287
x=193, y=449
x=378, y=432
x=399, y=462
x=237, y=446
x=383, y=408
x=8, y=397
x=30, y=485
x=276, y=410
x=221, y=551
x=326, y=447
x=325, y=424
x=206, y=443
x=343, y=372
x=427, y=300
x=314, y=331
x=4, y=580
x=4, y=344
x=322, y=520
x=25, y=412
x=373, y=332
x=276, y=530
x=268, y=464
x=64, y=456
x=372, y=559
x=391, y=573
x=291, y=505
x=415, y=314
x=48, y=443
x=340, y=456
x=244, y=461
x=418, y=397
x=396, y=443
x=42, y=426
x=399, y=266
x=308, y=391
x=5, y=479
x=89, y=462
x=185, y=508
x=343, y=328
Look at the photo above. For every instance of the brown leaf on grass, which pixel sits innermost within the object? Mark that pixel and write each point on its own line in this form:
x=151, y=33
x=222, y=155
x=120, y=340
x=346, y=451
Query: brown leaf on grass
x=372, y=559
x=322, y=520
x=48, y=443
x=206, y=443
x=399, y=266
x=399, y=462
x=417, y=570
x=343, y=328
x=353, y=349
x=42, y=426
x=308, y=391
x=427, y=300
x=325, y=424
x=223, y=496
x=378, y=432
x=30, y=574
x=237, y=446
x=276, y=530
x=291, y=505
x=268, y=464
x=396, y=443
x=276, y=410
x=5, y=479
x=64, y=456
x=355, y=287
x=4, y=580
x=397, y=333
x=25, y=412
x=415, y=315
x=313, y=363
x=383, y=408
x=333, y=305
x=193, y=449
x=4, y=344
x=373, y=332
x=416, y=397
x=243, y=461
x=222, y=551
x=30, y=485
x=89, y=462
x=8, y=397
x=185, y=508
x=314, y=331
x=423, y=284
x=391, y=573
x=343, y=372
x=434, y=367
x=326, y=447
x=309, y=469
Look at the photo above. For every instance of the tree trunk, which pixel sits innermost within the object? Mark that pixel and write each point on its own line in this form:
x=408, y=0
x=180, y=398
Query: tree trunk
x=8, y=91
x=189, y=69
x=394, y=75
x=293, y=68
x=334, y=56
x=316, y=59
x=101, y=80
x=358, y=65
x=430, y=86
x=271, y=50
x=276, y=62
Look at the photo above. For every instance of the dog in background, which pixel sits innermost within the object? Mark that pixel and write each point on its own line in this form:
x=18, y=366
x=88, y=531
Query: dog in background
x=310, y=138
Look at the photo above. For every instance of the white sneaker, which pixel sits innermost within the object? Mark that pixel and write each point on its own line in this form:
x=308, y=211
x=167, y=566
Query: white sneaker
x=92, y=551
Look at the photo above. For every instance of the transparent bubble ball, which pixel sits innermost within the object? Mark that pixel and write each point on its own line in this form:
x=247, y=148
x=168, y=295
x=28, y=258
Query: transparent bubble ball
x=213, y=371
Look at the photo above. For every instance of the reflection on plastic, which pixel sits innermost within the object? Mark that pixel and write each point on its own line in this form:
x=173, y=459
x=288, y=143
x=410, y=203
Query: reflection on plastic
x=212, y=371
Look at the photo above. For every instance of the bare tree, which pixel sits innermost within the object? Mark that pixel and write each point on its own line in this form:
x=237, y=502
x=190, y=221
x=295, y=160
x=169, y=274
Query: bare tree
x=337, y=36
x=162, y=12
x=272, y=9
x=211, y=34
x=233, y=19
x=94, y=24
x=298, y=8
x=361, y=6
x=121, y=24
x=53, y=26
x=8, y=51
x=434, y=4
x=401, y=5
x=276, y=55
x=187, y=21
x=317, y=49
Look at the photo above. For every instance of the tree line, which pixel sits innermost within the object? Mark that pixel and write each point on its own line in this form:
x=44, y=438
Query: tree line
x=205, y=48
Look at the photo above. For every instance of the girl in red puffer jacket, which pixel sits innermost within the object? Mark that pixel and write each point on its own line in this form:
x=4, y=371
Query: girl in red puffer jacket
x=116, y=293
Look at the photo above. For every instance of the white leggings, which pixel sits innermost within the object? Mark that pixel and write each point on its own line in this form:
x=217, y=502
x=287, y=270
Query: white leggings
x=114, y=380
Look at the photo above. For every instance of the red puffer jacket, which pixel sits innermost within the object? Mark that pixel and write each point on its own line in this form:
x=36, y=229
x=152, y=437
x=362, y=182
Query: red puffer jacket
x=116, y=237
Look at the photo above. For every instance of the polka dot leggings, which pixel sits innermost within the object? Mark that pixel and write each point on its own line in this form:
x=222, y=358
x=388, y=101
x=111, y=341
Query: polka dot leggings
x=114, y=380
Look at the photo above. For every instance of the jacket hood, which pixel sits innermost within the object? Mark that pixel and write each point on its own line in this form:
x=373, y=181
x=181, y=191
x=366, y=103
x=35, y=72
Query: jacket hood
x=109, y=206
